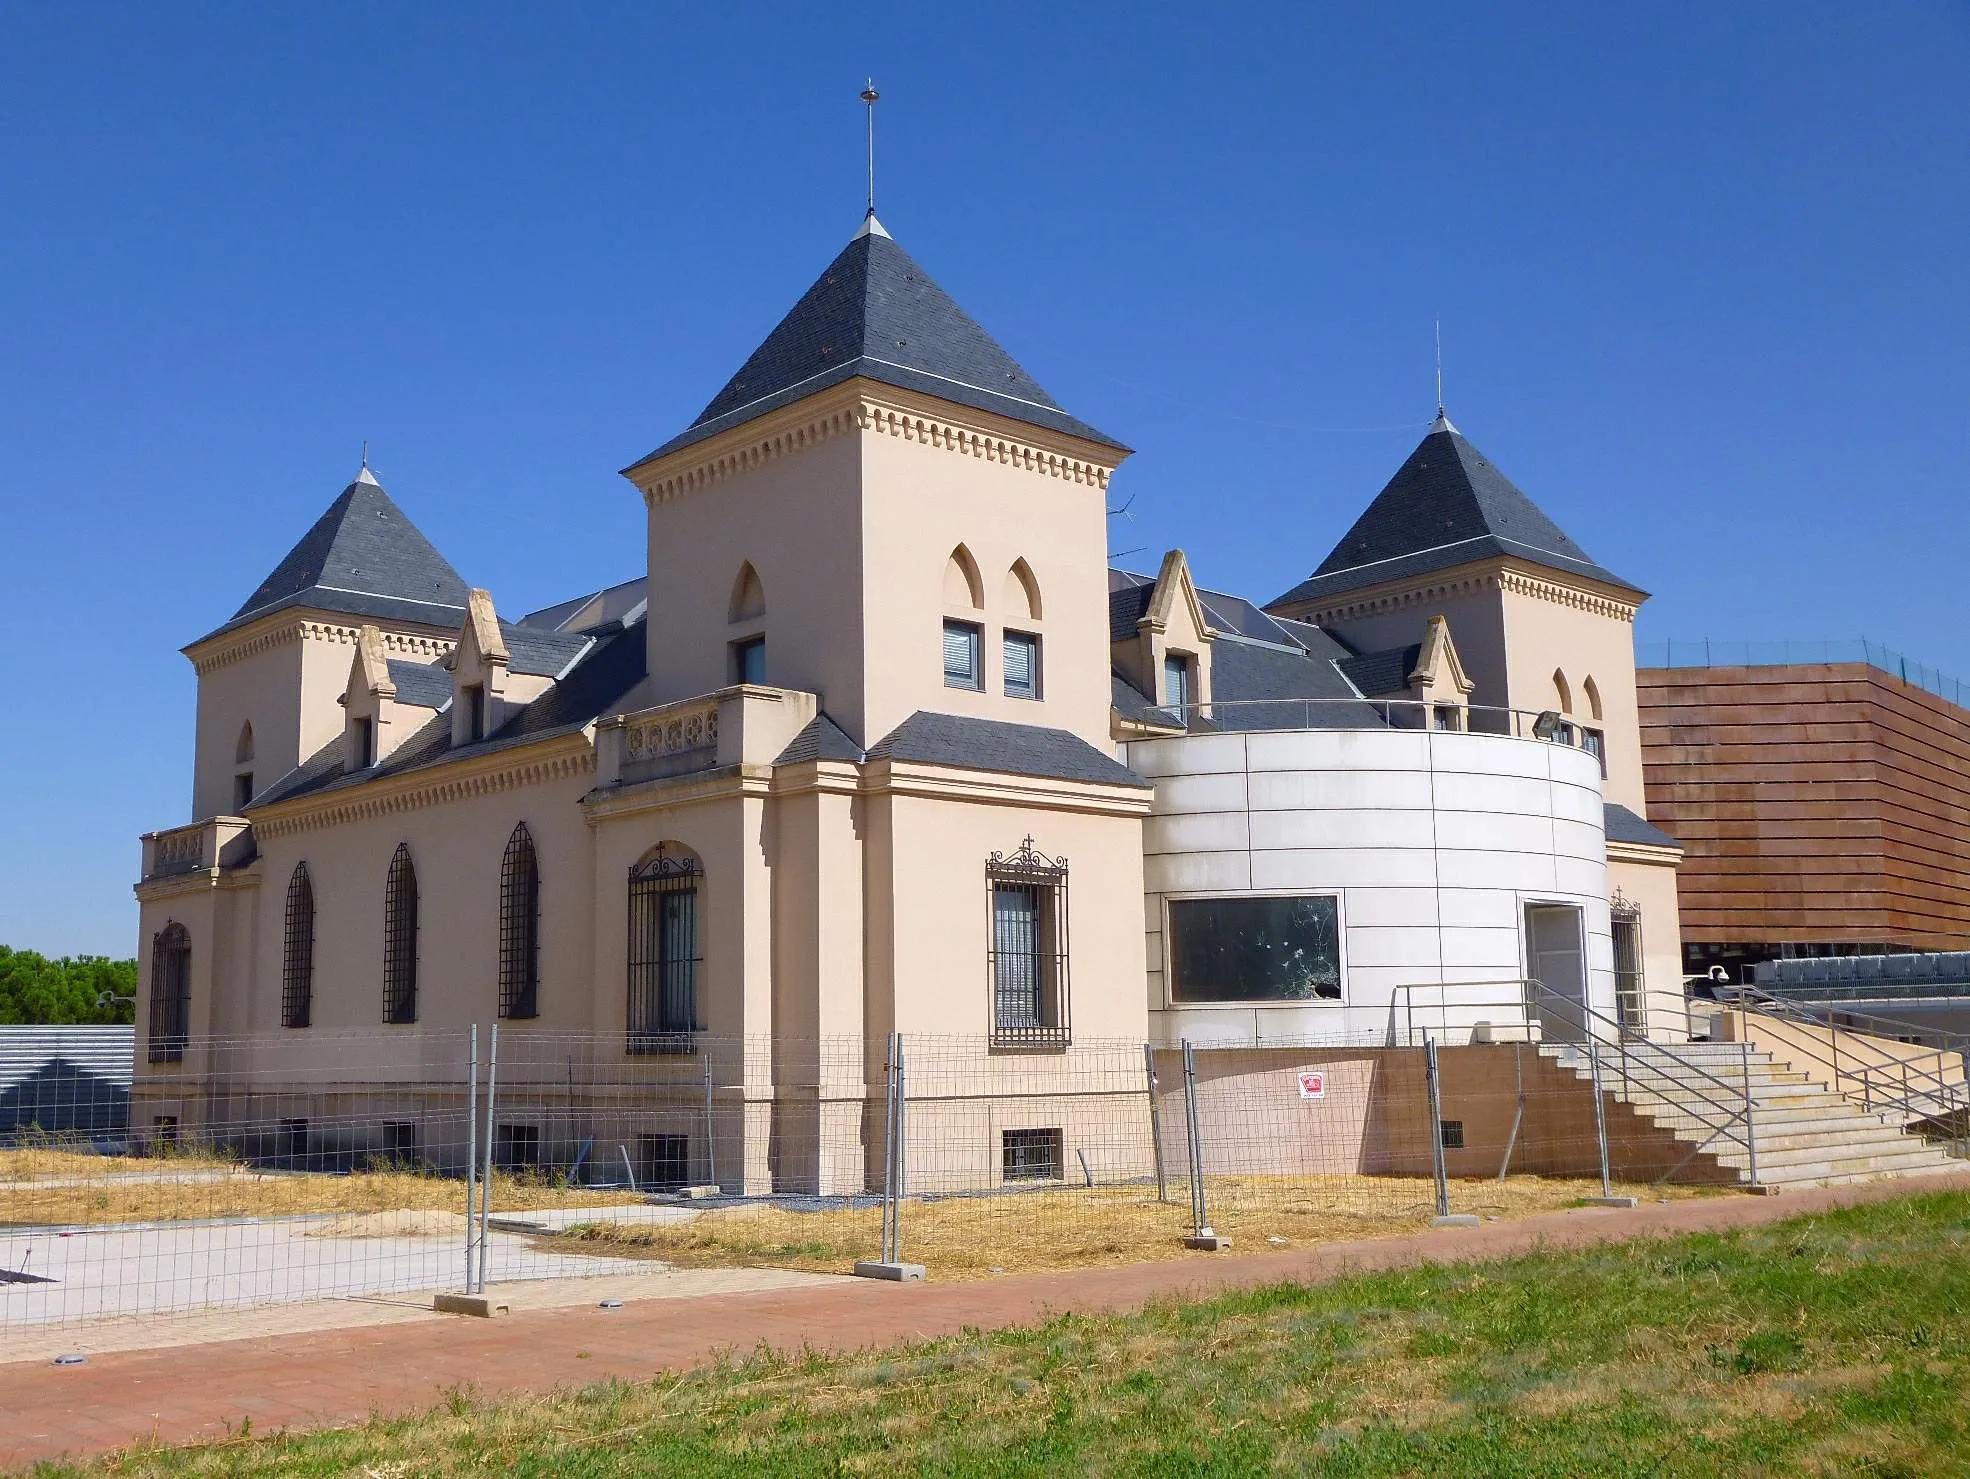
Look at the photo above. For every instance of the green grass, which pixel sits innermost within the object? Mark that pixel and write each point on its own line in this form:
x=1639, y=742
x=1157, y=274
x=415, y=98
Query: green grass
x=1835, y=1344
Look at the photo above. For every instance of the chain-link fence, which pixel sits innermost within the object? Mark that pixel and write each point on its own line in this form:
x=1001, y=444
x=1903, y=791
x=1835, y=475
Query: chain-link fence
x=313, y=1165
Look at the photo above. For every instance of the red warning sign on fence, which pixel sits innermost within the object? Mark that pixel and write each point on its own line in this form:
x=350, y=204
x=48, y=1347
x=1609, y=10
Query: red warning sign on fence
x=1313, y=1083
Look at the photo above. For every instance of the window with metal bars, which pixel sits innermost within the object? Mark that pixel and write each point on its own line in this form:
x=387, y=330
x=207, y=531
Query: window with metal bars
x=519, y=927
x=170, y=993
x=400, y=939
x=1026, y=948
x=1629, y=1008
x=297, y=966
x=663, y=953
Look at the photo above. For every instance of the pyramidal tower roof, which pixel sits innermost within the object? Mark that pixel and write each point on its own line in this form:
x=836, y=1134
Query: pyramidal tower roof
x=875, y=313
x=363, y=557
x=1447, y=505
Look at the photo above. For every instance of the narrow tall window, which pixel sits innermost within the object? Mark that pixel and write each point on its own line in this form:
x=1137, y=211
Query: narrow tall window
x=1594, y=742
x=475, y=712
x=663, y=954
x=1629, y=1007
x=243, y=776
x=961, y=655
x=364, y=747
x=1176, y=682
x=749, y=660
x=242, y=790
x=297, y=966
x=1027, y=948
x=519, y=927
x=170, y=993
x=1022, y=665
x=400, y=939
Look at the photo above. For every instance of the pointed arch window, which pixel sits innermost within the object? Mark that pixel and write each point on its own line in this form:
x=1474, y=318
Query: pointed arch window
x=297, y=967
x=243, y=768
x=400, y=939
x=170, y=993
x=519, y=927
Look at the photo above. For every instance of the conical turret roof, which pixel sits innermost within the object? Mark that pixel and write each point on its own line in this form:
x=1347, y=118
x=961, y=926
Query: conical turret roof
x=875, y=313
x=1447, y=505
x=363, y=557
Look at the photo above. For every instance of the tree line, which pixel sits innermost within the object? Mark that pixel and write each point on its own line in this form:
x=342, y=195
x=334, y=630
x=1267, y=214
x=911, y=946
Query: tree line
x=38, y=991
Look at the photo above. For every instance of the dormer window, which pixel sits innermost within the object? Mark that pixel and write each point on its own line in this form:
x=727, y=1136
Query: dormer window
x=749, y=660
x=473, y=696
x=363, y=752
x=242, y=790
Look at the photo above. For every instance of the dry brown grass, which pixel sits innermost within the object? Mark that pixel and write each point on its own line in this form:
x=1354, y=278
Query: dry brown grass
x=78, y=1189
x=958, y=1238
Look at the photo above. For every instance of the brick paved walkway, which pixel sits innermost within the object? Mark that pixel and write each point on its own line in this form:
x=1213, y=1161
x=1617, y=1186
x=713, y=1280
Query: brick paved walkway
x=338, y=1376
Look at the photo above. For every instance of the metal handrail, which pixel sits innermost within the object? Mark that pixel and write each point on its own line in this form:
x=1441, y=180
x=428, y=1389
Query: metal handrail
x=1871, y=1022
x=1949, y=1096
x=1530, y=992
x=1488, y=719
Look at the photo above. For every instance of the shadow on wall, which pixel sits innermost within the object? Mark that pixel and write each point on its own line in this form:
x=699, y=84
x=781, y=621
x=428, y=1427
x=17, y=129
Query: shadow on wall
x=62, y=1098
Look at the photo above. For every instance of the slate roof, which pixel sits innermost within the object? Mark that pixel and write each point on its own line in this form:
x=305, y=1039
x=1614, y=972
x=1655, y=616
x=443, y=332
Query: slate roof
x=363, y=557
x=1447, y=505
x=875, y=313
x=1623, y=825
x=1127, y=606
x=427, y=685
x=1378, y=674
x=1012, y=749
x=595, y=688
x=612, y=606
x=820, y=739
x=540, y=653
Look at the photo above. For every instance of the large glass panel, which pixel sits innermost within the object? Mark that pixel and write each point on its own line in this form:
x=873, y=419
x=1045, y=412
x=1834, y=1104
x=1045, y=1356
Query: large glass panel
x=1016, y=955
x=1255, y=949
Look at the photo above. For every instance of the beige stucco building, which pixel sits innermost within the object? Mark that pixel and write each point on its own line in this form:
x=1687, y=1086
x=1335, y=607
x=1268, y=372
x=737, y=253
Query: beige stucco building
x=878, y=743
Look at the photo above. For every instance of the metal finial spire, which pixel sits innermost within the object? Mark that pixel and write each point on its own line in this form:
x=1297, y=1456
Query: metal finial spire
x=363, y=474
x=365, y=451
x=1439, y=370
x=869, y=96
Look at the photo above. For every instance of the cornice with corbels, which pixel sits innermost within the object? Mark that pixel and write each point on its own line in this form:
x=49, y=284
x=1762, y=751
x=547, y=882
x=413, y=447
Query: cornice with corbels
x=312, y=629
x=1514, y=582
x=367, y=801
x=865, y=413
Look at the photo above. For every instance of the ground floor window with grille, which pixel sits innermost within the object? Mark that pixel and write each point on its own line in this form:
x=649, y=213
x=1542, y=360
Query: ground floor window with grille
x=1250, y=947
x=170, y=993
x=1031, y=1155
x=516, y=1147
x=663, y=1161
x=1027, y=946
x=1626, y=922
x=663, y=953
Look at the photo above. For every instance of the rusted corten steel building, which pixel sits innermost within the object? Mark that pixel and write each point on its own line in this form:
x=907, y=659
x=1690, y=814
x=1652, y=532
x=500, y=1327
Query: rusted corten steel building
x=1824, y=805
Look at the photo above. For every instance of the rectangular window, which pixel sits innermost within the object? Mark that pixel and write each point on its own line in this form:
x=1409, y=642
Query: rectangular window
x=164, y=1130
x=293, y=1141
x=1449, y=717
x=663, y=1162
x=1031, y=1155
x=1022, y=665
x=364, y=749
x=1628, y=1006
x=1027, y=947
x=1595, y=743
x=749, y=660
x=961, y=655
x=242, y=790
x=663, y=955
x=516, y=1147
x=400, y=1142
x=1252, y=948
x=1176, y=682
x=1452, y=1132
x=475, y=712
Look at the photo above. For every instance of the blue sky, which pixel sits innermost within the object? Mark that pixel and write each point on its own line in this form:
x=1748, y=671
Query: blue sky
x=1701, y=271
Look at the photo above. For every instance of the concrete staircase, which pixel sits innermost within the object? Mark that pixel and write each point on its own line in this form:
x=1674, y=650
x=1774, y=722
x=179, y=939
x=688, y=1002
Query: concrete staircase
x=1805, y=1134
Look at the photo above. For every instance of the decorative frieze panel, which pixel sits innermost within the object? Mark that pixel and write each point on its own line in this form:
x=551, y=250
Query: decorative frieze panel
x=674, y=730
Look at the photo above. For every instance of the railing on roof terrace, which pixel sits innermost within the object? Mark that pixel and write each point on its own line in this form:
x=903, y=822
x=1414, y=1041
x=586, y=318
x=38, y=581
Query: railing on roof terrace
x=1705, y=653
x=1378, y=713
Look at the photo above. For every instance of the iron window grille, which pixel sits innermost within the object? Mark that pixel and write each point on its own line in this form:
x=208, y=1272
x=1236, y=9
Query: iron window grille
x=170, y=993
x=1031, y=1155
x=1026, y=948
x=519, y=927
x=663, y=954
x=1625, y=919
x=400, y=939
x=297, y=966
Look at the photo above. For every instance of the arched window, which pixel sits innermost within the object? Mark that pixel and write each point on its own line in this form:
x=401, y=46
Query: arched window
x=243, y=768
x=748, y=596
x=170, y=993
x=1565, y=693
x=1593, y=692
x=297, y=966
x=1022, y=593
x=963, y=589
x=519, y=927
x=243, y=751
x=400, y=939
x=663, y=951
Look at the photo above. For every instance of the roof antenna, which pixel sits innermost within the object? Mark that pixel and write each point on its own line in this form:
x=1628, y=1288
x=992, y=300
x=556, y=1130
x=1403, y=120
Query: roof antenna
x=869, y=96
